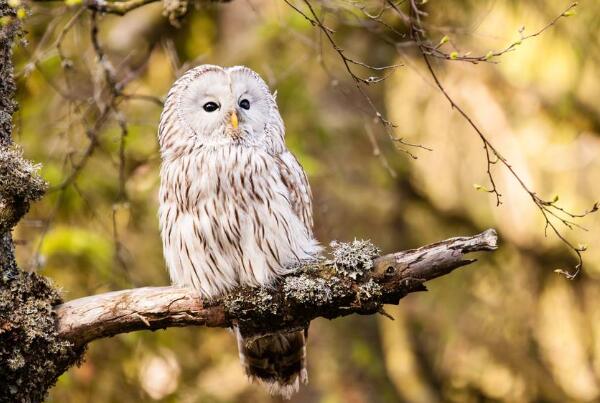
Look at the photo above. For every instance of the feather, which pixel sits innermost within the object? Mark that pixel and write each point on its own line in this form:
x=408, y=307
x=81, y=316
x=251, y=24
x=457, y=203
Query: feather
x=234, y=210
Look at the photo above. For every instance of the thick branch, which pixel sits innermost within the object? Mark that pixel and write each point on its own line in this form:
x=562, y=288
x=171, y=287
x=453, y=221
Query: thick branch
x=354, y=281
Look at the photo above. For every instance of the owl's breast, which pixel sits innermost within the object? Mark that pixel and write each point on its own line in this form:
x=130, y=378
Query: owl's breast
x=226, y=219
x=238, y=175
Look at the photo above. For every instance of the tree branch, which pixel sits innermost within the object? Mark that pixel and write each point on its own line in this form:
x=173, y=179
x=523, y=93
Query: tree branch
x=108, y=6
x=353, y=281
x=117, y=7
x=121, y=7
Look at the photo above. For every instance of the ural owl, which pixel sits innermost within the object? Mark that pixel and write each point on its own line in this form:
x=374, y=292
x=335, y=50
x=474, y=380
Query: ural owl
x=235, y=205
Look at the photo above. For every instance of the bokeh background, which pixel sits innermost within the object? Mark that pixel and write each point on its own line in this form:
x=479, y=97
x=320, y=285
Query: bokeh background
x=505, y=329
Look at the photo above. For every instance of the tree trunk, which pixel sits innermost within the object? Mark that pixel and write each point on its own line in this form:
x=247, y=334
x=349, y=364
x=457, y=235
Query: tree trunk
x=32, y=354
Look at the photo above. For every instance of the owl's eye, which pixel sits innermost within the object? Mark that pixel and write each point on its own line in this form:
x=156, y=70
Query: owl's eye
x=245, y=104
x=210, y=106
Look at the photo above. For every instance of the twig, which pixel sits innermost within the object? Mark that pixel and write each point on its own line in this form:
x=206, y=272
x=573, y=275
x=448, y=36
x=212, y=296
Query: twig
x=316, y=21
x=548, y=209
x=435, y=51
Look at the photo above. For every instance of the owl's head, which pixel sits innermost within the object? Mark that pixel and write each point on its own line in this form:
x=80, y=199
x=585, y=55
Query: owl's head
x=213, y=106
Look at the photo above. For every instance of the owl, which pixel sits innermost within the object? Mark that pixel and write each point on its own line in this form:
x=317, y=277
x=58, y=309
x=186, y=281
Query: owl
x=235, y=204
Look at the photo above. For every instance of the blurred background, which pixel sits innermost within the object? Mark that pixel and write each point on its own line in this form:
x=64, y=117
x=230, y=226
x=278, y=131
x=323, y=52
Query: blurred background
x=506, y=329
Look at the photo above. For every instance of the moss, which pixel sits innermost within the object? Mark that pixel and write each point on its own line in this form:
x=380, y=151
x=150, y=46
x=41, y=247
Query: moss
x=31, y=353
x=354, y=259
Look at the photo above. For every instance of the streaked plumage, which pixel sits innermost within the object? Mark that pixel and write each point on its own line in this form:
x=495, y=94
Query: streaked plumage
x=235, y=204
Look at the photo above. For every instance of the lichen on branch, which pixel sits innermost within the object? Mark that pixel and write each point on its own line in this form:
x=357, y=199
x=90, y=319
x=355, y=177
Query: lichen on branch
x=20, y=185
x=319, y=288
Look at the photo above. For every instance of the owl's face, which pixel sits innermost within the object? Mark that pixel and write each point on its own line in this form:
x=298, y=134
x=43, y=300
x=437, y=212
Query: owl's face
x=220, y=106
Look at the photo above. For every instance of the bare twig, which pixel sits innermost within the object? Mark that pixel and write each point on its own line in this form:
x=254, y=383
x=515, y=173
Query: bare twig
x=359, y=81
x=549, y=209
x=436, y=51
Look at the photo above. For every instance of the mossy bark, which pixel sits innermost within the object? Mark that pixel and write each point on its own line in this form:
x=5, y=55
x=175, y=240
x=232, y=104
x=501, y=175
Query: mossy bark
x=32, y=355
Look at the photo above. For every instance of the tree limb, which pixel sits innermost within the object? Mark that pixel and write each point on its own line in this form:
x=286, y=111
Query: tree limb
x=108, y=6
x=346, y=284
x=117, y=7
x=121, y=7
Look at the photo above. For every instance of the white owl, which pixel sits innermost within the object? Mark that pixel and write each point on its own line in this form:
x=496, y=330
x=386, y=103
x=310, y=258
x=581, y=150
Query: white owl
x=235, y=204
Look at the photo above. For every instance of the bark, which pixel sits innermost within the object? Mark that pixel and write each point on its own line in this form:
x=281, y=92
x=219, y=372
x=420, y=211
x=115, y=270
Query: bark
x=7, y=108
x=353, y=281
x=32, y=354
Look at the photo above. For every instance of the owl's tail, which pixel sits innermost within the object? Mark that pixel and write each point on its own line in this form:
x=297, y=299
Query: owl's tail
x=278, y=361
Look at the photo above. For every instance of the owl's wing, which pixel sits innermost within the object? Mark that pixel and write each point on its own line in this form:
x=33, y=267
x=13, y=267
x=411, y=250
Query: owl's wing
x=294, y=178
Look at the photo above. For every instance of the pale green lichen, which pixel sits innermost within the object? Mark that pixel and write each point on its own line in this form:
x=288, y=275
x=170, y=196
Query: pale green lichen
x=20, y=185
x=316, y=264
x=353, y=259
x=18, y=176
x=370, y=291
x=307, y=290
x=264, y=300
x=258, y=300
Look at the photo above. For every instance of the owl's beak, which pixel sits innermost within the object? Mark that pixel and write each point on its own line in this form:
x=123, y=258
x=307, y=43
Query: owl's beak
x=234, y=120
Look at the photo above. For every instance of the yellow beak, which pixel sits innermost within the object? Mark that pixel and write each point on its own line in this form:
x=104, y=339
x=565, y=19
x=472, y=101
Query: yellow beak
x=234, y=120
